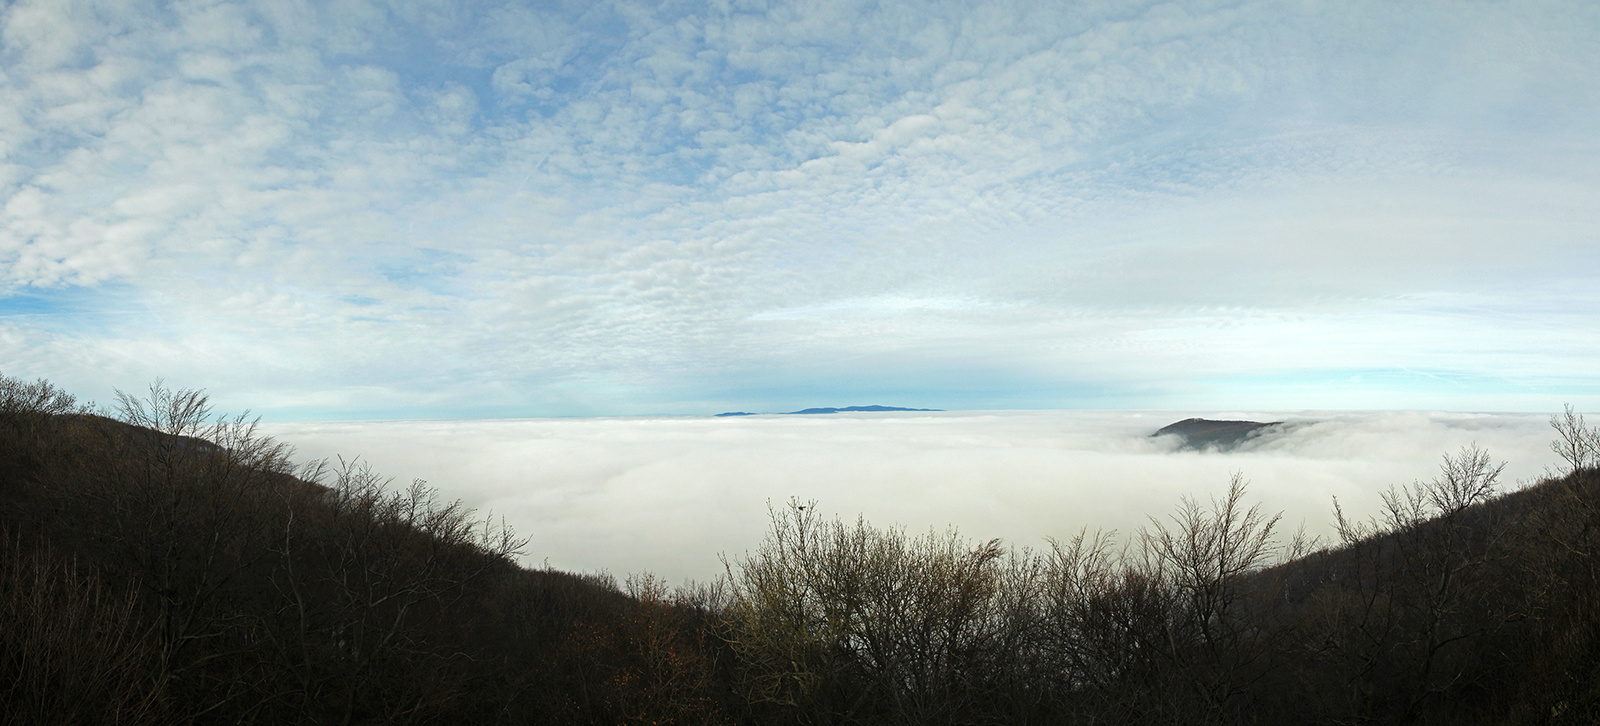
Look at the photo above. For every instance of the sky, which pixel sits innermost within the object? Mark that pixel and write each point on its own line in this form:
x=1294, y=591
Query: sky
x=676, y=495
x=434, y=210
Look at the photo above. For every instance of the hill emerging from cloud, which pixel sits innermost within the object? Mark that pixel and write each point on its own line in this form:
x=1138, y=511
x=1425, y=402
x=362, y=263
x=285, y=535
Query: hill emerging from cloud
x=1199, y=434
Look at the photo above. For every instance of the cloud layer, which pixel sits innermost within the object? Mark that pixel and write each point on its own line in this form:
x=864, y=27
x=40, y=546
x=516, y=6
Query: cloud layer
x=669, y=494
x=375, y=209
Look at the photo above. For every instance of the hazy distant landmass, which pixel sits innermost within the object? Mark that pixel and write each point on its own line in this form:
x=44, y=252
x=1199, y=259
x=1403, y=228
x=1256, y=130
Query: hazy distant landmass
x=1200, y=433
x=846, y=409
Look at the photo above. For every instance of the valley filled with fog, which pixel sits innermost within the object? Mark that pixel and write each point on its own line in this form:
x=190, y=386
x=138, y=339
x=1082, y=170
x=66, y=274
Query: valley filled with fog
x=669, y=494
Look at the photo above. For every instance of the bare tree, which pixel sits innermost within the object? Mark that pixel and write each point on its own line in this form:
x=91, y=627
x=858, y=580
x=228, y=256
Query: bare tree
x=30, y=425
x=1561, y=555
x=1577, y=443
x=1104, y=622
x=841, y=621
x=1414, y=600
x=1218, y=638
x=73, y=649
x=363, y=567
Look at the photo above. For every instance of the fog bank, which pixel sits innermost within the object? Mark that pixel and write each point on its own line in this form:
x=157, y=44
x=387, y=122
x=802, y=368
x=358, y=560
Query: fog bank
x=669, y=494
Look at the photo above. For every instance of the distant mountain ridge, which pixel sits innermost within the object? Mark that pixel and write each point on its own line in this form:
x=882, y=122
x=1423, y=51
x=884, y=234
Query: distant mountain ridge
x=846, y=409
x=1199, y=433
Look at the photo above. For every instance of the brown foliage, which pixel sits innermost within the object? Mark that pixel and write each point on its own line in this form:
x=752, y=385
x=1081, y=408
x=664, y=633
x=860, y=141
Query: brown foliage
x=73, y=650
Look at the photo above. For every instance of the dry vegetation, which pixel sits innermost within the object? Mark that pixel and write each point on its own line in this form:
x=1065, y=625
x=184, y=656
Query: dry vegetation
x=161, y=565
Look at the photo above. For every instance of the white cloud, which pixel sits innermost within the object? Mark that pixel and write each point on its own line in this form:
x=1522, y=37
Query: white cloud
x=669, y=494
x=619, y=208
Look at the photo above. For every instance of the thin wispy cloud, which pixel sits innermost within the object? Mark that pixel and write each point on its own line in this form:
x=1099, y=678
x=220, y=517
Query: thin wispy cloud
x=423, y=209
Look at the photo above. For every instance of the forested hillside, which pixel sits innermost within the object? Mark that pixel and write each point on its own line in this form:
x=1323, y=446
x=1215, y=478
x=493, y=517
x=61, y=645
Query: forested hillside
x=162, y=565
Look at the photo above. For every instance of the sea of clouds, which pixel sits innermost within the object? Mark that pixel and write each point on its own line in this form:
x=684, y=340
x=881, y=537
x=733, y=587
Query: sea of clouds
x=673, y=495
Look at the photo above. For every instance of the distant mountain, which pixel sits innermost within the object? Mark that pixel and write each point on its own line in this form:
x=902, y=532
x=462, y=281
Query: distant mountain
x=854, y=409
x=1199, y=433
x=846, y=409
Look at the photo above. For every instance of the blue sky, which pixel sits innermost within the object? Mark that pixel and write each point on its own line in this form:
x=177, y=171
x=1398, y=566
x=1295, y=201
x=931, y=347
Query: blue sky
x=431, y=209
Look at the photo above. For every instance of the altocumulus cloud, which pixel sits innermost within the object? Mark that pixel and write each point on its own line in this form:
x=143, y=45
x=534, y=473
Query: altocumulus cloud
x=437, y=209
x=669, y=494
